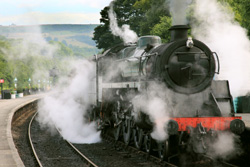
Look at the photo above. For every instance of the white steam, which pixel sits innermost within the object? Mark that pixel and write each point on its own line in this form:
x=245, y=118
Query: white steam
x=225, y=146
x=178, y=9
x=34, y=50
x=67, y=104
x=66, y=107
x=124, y=32
x=153, y=103
x=216, y=27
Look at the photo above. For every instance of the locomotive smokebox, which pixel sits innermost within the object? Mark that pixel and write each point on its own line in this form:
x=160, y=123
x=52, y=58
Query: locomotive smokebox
x=179, y=32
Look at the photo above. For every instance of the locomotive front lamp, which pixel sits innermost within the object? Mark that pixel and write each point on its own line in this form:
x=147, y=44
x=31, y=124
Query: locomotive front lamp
x=190, y=43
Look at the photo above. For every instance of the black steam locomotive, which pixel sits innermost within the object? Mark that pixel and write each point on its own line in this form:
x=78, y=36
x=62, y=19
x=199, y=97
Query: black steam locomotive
x=198, y=105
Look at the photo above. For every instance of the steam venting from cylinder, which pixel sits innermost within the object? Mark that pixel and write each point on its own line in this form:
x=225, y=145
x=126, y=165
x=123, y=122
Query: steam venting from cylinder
x=179, y=32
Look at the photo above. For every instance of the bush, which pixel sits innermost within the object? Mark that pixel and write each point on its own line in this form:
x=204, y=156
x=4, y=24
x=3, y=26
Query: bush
x=19, y=90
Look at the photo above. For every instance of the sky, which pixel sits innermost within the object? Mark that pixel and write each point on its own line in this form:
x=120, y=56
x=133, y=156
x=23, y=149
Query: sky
x=30, y=12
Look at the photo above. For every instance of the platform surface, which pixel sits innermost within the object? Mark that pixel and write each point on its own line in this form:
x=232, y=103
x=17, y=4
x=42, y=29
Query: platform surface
x=9, y=156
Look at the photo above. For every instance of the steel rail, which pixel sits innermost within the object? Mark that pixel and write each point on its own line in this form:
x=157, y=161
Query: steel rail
x=224, y=163
x=31, y=143
x=133, y=149
x=87, y=160
x=228, y=164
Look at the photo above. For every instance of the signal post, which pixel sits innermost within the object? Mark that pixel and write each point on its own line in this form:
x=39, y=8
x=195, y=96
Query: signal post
x=2, y=81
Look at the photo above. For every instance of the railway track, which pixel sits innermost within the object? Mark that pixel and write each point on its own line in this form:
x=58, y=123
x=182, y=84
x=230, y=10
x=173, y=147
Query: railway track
x=126, y=154
x=204, y=161
x=142, y=153
x=31, y=143
x=86, y=159
x=104, y=154
x=57, y=158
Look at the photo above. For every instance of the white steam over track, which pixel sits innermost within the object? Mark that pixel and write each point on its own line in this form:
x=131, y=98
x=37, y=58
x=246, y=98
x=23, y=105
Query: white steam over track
x=66, y=107
x=124, y=32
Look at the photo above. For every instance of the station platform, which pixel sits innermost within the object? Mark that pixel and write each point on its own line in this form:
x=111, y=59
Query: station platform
x=9, y=156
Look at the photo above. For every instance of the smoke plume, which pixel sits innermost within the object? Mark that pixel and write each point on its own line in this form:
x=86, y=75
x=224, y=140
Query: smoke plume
x=32, y=49
x=215, y=26
x=153, y=103
x=225, y=146
x=124, y=32
x=66, y=107
x=178, y=10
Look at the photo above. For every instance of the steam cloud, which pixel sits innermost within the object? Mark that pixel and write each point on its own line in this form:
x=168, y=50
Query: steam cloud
x=67, y=104
x=152, y=102
x=178, y=10
x=32, y=46
x=125, y=33
x=216, y=28
x=225, y=146
x=66, y=107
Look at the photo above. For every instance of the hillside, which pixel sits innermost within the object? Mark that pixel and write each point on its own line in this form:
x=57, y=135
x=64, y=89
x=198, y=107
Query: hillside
x=77, y=37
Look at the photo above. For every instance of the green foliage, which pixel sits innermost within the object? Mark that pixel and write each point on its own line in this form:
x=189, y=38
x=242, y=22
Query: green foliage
x=19, y=90
x=162, y=29
x=152, y=11
x=102, y=34
x=126, y=13
x=62, y=49
x=244, y=11
x=16, y=62
x=144, y=17
x=241, y=10
x=152, y=17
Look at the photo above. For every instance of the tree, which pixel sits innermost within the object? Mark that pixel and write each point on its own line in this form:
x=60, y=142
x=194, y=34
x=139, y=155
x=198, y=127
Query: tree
x=126, y=14
x=5, y=71
x=152, y=11
x=245, y=12
x=241, y=9
x=152, y=17
x=17, y=61
x=102, y=34
x=162, y=28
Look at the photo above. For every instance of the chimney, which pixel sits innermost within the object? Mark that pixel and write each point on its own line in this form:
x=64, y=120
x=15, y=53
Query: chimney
x=179, y=32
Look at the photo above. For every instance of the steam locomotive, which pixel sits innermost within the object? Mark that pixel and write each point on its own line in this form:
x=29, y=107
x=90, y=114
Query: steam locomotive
x=198, y=107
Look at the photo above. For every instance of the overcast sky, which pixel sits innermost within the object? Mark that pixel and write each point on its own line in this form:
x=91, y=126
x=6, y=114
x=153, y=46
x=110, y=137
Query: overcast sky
x=26, y=12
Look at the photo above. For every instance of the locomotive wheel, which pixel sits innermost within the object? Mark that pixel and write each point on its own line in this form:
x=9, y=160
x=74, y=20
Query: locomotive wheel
x=163, y=150
x=126, y=130
x=148, y=143
x=168, y=148
x=138, y=137
x=117, y=128
x=117, y=120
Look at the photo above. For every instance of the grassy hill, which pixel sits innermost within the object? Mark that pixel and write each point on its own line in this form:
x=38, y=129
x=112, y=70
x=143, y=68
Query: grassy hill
x=76, y=37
